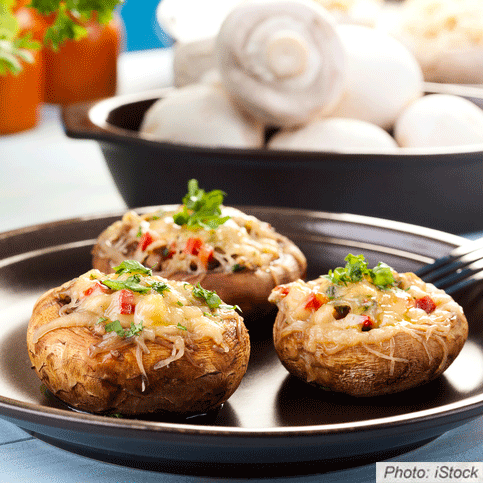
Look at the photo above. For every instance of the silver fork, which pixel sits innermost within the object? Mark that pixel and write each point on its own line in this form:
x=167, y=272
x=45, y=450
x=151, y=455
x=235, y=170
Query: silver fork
x=460, y=269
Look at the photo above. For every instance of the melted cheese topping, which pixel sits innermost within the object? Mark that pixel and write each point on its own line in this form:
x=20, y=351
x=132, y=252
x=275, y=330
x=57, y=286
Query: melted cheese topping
x=339, y=320
x=241, y=242
x=174, y=317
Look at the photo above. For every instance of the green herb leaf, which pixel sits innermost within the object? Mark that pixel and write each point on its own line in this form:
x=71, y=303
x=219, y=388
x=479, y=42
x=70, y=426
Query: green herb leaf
x=67, y=15
x=115, y=326
x=211, y=298
x=13, y=49
x=160, y=287
x=181, y=327
x=201, y=209
x=356, y=269
x=382, y=276
x=132, y=283
x=134, y=329
x=132, y=266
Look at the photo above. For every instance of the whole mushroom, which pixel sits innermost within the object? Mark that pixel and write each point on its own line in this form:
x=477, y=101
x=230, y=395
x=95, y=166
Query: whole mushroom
x=201, y=115
x=438, y=120
x=336, y=135
x=383, y=76
x=281, y=60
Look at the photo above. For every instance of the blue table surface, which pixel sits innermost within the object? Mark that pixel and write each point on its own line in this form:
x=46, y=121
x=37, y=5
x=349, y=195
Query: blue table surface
x=32, y=192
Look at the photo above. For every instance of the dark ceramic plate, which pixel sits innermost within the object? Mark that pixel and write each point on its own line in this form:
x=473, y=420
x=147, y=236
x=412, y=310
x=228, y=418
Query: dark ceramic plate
x=439, y=188
x=272, y=419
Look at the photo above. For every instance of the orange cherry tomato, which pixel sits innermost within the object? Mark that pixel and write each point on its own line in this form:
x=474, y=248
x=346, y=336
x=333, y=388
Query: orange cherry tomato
x=85, y=69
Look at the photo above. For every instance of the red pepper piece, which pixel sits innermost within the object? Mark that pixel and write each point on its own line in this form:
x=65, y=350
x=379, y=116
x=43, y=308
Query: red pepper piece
x=426, y=303
x=315, y=301
x=193, y=246
x=283, y=290
x=205, y=254
x=169, y=252
x=367, y=323
x=126, y=301
x=94, y=288
x=145, y=241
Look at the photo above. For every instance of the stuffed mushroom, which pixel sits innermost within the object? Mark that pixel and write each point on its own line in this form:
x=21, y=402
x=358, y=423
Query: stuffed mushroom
x=202, y=241
x=367, y=332
x=133, y=343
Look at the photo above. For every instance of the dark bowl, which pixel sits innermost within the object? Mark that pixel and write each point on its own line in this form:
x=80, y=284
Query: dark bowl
x=439, y=188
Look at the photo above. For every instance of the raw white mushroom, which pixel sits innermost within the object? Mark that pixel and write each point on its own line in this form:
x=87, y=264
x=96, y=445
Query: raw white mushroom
x=282, y=60
x=446, y=37
x=192, y=60
x=359, y=12
x=335, y=135
x=201, y=115
x=383, y=76
x=439, y=120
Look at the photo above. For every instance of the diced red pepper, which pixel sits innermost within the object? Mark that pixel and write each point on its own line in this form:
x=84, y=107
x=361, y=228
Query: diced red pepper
x=169, y=252
x=95, y=288
x=315, y=301
x=367, y=323
x=282, y=289
x=426, y=303
x=126, y=301
x=205, y=255
x=193, y=246
x=145, y=241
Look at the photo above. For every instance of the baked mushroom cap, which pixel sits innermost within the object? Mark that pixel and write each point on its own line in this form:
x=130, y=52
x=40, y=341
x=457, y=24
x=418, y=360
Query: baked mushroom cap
x=133, y=343
x=232, y=253
x=367, y=332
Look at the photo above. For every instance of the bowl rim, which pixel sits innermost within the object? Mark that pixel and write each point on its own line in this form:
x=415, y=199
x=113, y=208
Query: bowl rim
x=90, y=120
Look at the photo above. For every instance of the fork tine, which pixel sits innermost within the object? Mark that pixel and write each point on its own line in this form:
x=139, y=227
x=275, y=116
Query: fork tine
x=465, y=283
x=449, y=268
x=453, y=257
x=460, y=275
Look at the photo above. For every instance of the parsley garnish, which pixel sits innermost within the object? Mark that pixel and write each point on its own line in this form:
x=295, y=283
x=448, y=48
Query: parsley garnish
x=356, y=269
x=211, y=298
x=201, y=209
x=132, y=266
x=115, y=326
x=181, y=327
x=160, y=287
x=132, y=283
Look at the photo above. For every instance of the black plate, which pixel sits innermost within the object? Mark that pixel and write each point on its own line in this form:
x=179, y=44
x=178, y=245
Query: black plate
x=272, y=418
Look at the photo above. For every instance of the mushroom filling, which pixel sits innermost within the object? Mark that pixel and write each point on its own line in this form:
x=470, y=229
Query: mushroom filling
x=132, y=307
x=199, y=236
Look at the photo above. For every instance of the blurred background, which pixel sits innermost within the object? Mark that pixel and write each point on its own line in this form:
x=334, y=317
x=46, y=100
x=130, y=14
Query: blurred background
x=142, y=29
